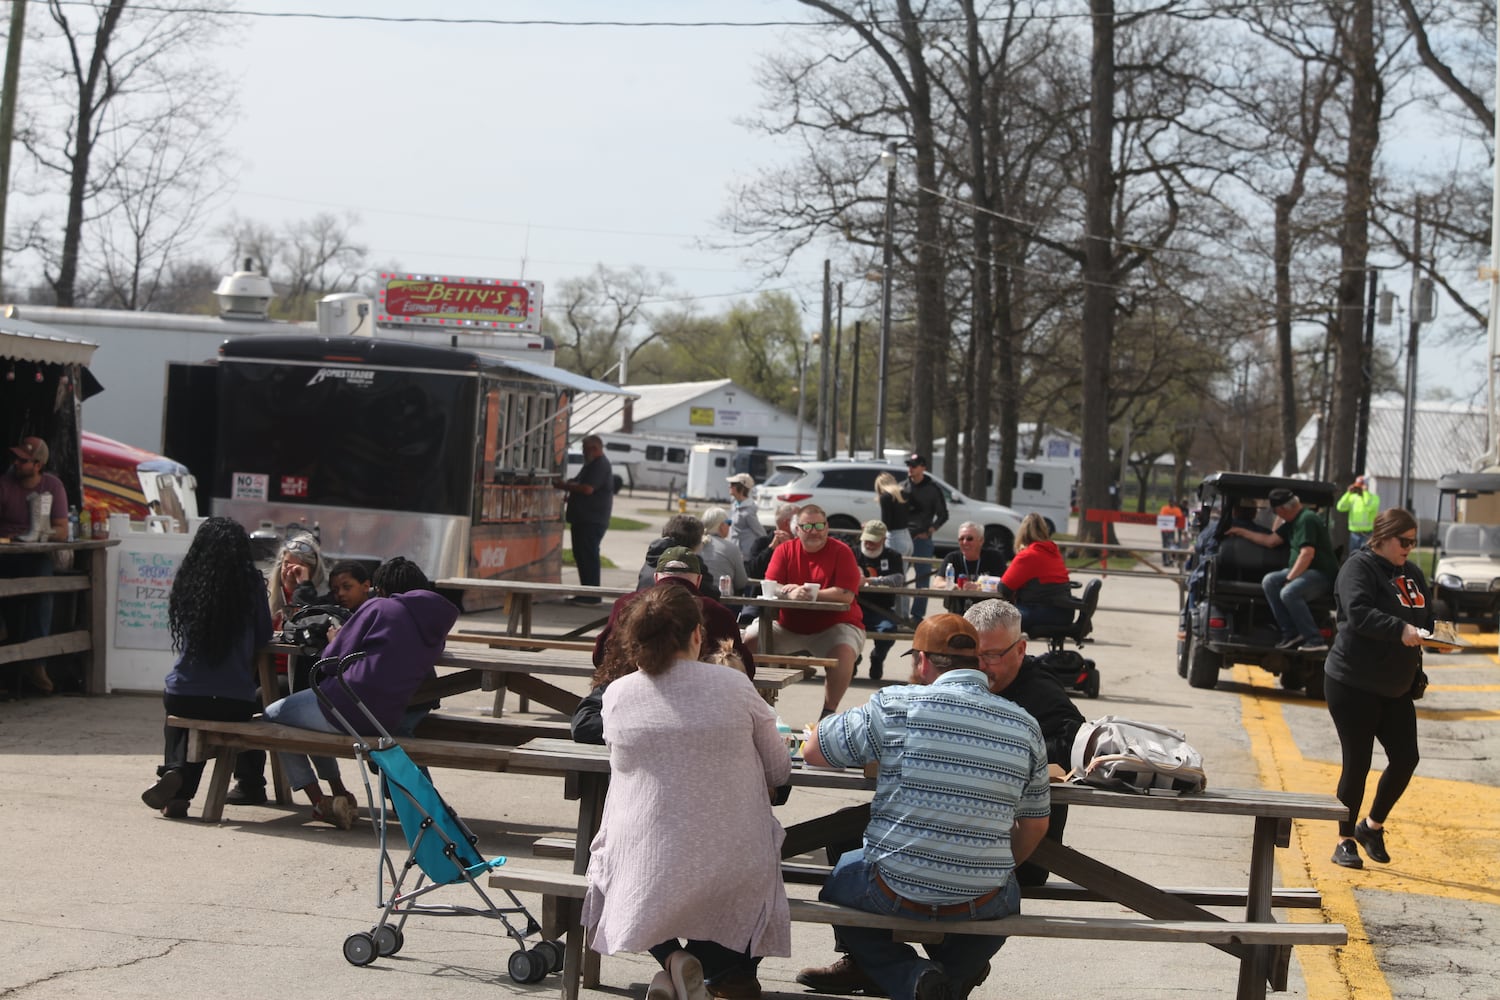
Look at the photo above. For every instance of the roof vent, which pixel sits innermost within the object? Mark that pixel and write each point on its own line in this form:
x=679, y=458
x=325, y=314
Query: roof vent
x=245, y=294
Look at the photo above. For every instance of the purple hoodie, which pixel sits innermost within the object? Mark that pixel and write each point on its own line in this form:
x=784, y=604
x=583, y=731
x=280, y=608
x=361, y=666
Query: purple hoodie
x=402, y=637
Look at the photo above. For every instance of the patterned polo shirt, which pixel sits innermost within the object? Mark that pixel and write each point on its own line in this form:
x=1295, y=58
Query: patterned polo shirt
x=958, y=766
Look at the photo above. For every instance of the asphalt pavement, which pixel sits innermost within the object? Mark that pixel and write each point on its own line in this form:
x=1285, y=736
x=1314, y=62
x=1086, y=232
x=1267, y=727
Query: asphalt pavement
x=109, y=899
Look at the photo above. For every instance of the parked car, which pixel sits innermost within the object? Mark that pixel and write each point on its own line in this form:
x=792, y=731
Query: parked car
x=1467, y=581
x=846, y=490
x=1227, y=619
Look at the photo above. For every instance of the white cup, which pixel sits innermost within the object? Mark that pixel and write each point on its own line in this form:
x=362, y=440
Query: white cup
x=770, y=588
x=812, y=590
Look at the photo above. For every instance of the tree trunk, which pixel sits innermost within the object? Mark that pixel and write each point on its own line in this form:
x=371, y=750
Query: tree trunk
x=983, y=330
x=8, y=110
x=1285, y=362
x=1364, y=136
x=1098, y=292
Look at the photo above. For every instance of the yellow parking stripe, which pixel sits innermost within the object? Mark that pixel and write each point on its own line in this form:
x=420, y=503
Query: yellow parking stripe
x=1444, y=834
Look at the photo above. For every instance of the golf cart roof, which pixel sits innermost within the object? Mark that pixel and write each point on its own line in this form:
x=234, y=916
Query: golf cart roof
x=1247, y=486
x=1469, y=482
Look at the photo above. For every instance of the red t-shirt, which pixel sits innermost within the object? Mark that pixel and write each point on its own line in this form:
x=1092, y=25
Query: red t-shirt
x=1039, y=561
x=833, y=565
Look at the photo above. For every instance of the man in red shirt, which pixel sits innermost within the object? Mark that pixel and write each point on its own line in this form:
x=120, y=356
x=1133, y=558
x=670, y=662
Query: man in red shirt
x=813, y=557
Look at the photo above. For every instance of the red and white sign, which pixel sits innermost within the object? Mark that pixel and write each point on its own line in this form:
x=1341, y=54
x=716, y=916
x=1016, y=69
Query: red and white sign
x=294, y=486
x=460, y=302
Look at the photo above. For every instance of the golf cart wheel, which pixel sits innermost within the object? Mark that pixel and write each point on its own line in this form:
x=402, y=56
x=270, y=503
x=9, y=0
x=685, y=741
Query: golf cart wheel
x=359, y=949
x=1203, y=667
x=526, y=967
x=388, y=940
x=1091, y=685
x=553, y=952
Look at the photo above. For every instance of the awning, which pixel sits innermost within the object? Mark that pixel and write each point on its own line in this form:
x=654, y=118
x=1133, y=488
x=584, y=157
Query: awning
x=24, y=341
x=563, y=377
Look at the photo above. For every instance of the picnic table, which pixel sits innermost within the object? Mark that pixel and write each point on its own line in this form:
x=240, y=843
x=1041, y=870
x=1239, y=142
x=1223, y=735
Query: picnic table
x=520, y=594
x=1261, y=964
x=769, y=605
x=942, y=592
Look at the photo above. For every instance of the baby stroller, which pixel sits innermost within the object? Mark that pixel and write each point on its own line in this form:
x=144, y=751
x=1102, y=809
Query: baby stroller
x=439, y=843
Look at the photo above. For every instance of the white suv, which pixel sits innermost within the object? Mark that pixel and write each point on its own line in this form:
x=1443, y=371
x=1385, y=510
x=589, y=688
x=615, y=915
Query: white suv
x=846, y=490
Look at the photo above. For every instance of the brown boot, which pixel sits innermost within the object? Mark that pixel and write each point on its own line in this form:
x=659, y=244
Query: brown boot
x=843, y=976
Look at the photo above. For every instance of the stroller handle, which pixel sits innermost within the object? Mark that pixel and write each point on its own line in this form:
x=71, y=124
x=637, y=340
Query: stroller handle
x=334, y=667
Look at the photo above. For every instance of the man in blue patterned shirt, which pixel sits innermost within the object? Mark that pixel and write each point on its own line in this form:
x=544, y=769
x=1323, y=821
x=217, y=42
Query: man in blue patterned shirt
x=961, y=799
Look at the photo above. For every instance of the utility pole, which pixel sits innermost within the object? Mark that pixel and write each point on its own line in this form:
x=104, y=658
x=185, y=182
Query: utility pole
x=8, y=113
x=887, y=160
x=824, y=374
x=1409, y=422
x=838, y=355
x=1366, y=367
x=854, y=391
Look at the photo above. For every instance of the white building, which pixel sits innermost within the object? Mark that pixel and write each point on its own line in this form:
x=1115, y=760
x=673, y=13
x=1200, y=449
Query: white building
x=717, y=409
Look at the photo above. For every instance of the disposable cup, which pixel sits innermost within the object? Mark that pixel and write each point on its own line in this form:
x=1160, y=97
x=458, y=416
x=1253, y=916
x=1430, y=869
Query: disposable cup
x=770, y=588
x=812, y=590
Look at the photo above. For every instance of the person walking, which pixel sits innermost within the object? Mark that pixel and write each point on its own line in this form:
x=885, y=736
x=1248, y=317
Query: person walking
x=1372, y=676
x=744, y=522
x=1361, y=504
x=928, y=512
x=590, y=500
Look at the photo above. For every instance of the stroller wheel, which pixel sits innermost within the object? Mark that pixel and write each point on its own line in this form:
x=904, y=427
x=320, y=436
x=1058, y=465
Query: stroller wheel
x=541, y=964
x=552, y=951
x=526, y=966
x=359, y=949
x=388, y=940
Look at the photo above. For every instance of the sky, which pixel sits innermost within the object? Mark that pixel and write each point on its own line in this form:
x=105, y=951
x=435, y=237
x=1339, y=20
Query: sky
x=535, y=151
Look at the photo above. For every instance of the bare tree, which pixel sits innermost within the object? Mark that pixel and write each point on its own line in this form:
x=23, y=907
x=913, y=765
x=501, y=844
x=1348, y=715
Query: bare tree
x=120, y=76
x=311, y=258
x=596, y=318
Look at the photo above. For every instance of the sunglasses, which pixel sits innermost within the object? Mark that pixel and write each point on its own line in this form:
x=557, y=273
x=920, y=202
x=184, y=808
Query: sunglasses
x=1406, y=543
x=298, y=547
x=814, y=526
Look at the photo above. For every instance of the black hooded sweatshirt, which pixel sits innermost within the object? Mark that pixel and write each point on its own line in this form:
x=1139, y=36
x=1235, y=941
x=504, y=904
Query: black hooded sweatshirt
x=1375, y=600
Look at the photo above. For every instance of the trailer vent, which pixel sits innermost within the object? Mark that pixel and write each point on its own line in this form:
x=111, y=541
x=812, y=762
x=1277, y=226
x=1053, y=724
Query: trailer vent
x=245, y=294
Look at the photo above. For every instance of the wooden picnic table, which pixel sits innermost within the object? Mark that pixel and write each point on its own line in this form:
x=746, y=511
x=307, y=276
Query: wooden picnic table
x=867, y=590
x=1261, y=965
x=521, y=593
x=87, y=577
x=769, y=605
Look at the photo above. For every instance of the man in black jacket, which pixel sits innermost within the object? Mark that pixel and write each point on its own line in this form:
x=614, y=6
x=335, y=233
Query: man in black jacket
x=929, y=511
x=1018, y=677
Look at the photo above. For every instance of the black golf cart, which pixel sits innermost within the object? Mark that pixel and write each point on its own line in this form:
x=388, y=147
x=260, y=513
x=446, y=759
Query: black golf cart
x=1226, y=618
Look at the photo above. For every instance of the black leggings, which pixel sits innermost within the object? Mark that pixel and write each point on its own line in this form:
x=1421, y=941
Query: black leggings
x=1361, y=718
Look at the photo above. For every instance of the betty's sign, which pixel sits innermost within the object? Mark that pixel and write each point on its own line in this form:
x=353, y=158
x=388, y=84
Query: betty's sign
x=460, y=302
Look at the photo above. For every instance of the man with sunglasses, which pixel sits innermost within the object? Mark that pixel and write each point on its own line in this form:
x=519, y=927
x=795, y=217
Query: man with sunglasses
x=812, y=556
x=1311, y=567
x=31, y=617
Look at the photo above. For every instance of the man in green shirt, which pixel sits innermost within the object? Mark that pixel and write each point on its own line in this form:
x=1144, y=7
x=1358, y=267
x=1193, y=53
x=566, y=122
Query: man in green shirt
x=1311, y=567
x=1361, y=504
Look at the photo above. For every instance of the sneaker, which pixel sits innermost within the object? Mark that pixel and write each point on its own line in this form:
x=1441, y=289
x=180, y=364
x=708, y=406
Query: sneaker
x=1292, y=643
x=736, y=985
x=1373, y=841
x=934, y=984
x=687, y=976
x=175, y=809
x=843, y=976
x=1346, y=855
x=962, y=992
x=335, y=811
x=661, y=987
x=1313, y=647
x=164, y=791
x=246, y=795
x=877, y=670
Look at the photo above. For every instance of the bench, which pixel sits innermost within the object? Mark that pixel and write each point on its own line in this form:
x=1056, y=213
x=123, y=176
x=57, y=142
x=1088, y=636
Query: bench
x=535, y=644
x=469, y=744
x=562, y=891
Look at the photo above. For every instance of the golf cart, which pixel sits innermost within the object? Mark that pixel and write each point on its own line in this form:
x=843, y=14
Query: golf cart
x=1226, y=618
x=1465, y=568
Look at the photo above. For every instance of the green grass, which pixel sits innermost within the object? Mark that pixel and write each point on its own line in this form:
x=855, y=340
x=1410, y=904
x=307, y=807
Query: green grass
x=605, y=562
x=627, y=524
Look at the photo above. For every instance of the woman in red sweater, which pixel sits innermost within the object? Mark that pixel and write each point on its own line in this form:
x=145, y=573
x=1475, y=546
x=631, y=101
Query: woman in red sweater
x=1037, y=578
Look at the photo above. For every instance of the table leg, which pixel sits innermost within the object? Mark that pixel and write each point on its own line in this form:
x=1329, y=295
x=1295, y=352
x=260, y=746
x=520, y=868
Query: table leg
x=1256, y=963
x=265, y=673
x=765, y=641
x=578, y=966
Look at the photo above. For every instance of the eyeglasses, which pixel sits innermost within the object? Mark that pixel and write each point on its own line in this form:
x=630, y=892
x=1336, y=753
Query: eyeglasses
x=1406, y=543
x=814, y=526
x=968, y=538
x=1002, y=654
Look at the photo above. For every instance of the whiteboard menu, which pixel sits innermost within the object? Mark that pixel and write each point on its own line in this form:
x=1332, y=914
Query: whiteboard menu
x=143, y=585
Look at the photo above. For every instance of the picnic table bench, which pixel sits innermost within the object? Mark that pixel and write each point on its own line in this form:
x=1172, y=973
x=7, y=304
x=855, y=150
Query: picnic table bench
x=1262, y=945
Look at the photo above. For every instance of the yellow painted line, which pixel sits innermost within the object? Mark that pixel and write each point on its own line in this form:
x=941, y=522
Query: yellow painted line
x=1444, y=833
x=1463, y=687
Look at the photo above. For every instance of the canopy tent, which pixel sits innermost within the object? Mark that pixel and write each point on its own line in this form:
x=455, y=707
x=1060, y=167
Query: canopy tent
x=44, y=379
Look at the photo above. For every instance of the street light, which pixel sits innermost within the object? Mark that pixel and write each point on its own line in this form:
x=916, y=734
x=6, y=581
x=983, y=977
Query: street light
x=887, y=160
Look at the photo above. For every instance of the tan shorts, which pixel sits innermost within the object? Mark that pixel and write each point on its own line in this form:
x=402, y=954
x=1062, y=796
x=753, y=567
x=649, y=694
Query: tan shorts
x=821, y=644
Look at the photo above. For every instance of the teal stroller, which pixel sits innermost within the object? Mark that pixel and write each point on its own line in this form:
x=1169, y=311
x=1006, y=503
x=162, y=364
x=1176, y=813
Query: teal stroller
x=440, y=847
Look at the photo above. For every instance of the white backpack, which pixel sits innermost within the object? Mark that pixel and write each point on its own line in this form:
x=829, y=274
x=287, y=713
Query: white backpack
x=1126, y=755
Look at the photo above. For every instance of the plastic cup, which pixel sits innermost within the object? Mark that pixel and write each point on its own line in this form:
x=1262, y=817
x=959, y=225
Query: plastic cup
x=770, y=588
x=812, y=590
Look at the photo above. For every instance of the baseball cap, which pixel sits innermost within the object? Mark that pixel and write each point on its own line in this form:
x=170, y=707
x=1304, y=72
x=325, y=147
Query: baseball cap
x=743, y=479
x=951, y=634
x=915, y=458
x=679, y=559
x=874, y=531
x=33, y=449
x=1280, y=497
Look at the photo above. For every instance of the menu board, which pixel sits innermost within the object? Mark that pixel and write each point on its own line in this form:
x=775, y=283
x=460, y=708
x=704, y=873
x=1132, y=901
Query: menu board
x=143, y=586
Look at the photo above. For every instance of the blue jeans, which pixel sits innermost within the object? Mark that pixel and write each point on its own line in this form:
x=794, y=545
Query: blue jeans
x=921, y=547
x=301, y=709
x=1357, y=541
x=586, y=538
x=896, y=966
x=1289, y=602
x=877, y=622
